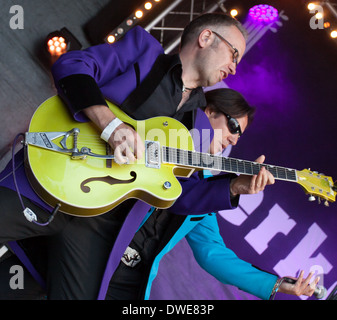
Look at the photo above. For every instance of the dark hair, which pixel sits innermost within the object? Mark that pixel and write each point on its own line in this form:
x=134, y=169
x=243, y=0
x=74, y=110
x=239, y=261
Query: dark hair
x=230, y=102
x=207, y=20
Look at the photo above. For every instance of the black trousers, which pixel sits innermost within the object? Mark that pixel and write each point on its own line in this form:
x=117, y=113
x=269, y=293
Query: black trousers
x=78, y=248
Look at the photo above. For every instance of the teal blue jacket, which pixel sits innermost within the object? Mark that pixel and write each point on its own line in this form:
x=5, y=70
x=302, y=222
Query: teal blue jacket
x=213, y=256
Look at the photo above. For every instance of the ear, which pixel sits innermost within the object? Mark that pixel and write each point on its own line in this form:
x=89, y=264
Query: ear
x=204, y=38
x=209, y=112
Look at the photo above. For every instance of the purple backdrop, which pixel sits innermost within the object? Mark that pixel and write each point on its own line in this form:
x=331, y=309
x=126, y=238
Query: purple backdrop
x=290, y=76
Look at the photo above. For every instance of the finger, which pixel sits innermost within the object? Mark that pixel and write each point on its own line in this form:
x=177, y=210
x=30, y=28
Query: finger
x=314, y=283
x=307, y=280
x=135, y=143
x=310, y=290
x=118, y=157
x=267, y=178
x=252, y=184
x=261, y=180
x=299, y=280
x=260, y=159
x=129, y=154
x=271, y=179
x=139, y=147
x=120, y=153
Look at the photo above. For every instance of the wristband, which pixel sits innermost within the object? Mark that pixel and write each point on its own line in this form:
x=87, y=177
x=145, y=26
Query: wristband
x=110, y=128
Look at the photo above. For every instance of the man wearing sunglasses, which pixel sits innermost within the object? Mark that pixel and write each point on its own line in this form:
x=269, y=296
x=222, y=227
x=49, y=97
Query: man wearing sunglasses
x=228, y=115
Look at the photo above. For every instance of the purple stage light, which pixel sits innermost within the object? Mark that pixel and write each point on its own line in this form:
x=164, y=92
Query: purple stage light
x=263, y=13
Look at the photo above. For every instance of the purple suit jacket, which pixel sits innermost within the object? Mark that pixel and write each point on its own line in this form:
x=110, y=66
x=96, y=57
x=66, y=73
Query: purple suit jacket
x=112, y=69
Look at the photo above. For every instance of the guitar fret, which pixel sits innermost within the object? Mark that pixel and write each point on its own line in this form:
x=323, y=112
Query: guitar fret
x=248, y=167
x=234, y=165
x=227, y=165
x=291, y=174
x=205, y=160
x=273, y=171
x=281, y=173
x=177, y=156
x=241, y=166
x=219, y=163
x=208, y=161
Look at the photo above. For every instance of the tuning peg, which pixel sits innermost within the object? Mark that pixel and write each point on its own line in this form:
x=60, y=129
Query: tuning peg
x=311, y=198
x=326, y=203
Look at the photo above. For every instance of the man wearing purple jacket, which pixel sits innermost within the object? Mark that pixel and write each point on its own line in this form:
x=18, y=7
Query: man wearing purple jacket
x=134, y=74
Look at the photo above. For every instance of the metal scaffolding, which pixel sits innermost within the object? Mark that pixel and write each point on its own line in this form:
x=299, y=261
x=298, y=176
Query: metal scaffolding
x=173, y=19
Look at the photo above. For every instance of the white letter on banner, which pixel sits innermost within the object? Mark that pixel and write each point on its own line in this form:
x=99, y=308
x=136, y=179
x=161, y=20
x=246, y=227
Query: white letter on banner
x=300, y=256
x=248, y=203
x=277, y=221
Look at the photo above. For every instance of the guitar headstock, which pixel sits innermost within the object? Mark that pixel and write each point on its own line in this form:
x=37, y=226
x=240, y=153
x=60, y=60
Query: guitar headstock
x=317, y=184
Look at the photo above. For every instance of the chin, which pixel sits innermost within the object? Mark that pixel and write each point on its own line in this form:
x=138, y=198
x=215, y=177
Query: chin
x=213, y=83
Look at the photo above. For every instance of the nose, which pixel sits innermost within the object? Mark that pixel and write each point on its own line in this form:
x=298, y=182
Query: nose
x=233, y=139
x=232, y=68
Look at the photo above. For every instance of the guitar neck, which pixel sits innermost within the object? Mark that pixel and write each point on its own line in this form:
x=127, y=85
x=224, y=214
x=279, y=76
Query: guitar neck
x=199, y=160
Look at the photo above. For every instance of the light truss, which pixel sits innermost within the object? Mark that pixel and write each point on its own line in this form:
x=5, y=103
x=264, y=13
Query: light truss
x=160, y=22
x=255, y=30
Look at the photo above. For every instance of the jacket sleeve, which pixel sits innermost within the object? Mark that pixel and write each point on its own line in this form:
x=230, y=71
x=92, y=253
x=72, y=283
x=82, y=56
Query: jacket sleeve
x=202, y=196
x=213, y=256
x=81, y=75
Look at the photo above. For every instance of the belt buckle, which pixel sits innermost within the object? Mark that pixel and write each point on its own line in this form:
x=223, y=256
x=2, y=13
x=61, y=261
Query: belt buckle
x=131, y=257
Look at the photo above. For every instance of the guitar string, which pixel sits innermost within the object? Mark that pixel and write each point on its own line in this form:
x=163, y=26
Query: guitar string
x=200, y=159
x=186, y=157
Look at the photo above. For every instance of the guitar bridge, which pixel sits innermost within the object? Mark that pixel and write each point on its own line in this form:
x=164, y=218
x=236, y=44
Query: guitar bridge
x=152, y=154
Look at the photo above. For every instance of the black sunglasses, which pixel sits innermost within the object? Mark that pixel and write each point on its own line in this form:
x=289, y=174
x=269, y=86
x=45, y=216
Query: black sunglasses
x=233, y=125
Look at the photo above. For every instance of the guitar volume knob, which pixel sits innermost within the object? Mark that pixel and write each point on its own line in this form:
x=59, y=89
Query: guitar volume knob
x=167, y=185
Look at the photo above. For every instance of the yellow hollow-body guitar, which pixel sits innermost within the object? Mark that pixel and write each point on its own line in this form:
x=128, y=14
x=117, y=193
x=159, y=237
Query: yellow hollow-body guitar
x=70, y=166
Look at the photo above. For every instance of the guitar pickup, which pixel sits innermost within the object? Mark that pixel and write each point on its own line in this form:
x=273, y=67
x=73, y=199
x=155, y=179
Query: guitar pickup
x=152, y=154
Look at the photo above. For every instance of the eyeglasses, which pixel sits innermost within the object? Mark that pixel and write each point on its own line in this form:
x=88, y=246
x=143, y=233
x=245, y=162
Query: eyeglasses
x=235, y=53
x=233, y=125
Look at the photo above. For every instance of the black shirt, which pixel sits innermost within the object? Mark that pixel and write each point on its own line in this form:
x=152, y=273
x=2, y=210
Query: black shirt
x=161, y=92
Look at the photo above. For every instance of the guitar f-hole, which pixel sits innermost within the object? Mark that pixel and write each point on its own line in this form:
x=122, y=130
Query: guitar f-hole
x=107, y=179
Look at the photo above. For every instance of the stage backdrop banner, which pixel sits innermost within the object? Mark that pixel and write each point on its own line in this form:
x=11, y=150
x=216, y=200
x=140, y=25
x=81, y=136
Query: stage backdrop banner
x=293, y=89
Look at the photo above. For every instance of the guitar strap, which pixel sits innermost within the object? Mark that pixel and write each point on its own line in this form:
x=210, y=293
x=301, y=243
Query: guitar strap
x=145, y=88
x=129, y=228
x=142, y=92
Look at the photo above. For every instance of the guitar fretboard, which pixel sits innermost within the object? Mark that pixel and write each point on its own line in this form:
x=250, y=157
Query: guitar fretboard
x=207, y=161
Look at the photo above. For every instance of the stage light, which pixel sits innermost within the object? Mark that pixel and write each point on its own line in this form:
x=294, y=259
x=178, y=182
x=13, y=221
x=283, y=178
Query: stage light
x=263, y=13
x=138, y=14
x=234, y=13
x=130, y=21
x=326, y=24
x=111, y=39
x=319, y=15
x=59, y=42
x=333, y=34
x=148, y=5
x=311, y=6
x=57, y=45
